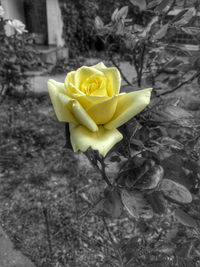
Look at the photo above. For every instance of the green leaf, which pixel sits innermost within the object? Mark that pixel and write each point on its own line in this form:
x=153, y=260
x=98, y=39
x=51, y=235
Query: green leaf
x=175, y=191
x=150, y=179
x=163, y=6
x=147, y=29
x=112, y=203
x=161, y=32
x=153, y=4
x=140, y=3
x=174, y=82
x=114, y=14
x=171, y=143
x=181, y=262
x=136, y=204
x=190, y=30
x=157, y=202
x=98, y=23
x=184, y=218
x=122, y=13
x=186, y=17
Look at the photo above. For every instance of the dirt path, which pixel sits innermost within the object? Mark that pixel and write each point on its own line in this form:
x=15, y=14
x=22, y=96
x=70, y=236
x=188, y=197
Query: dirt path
x=9, y=256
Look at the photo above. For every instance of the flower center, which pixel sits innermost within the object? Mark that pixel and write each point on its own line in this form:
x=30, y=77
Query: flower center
x=91, y=84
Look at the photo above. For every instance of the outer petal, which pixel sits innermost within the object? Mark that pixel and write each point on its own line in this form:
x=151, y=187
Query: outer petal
x=128, y=106
x=83, y=73
x=89, y=100
x=102, y=112
x=113, y=80
x=103, y=140
x=83, y=117
x=60, y=86
x=61, y=102
x=99, y=66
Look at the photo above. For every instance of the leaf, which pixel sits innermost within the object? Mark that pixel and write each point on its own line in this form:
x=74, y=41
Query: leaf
x=136, y=204
x=174, y=82
x=157, y=202
x=161, y=32
x=175, y=191
x=184, y=250
x=114, y=14
x=176, y=115
x=179, y=15
x=185, y=218
x=122, y=13
x=173, y=63
x=140, y=3
x=150, y=179
x=171, y=143
x=186, y=17
x=163, y=6
x=190, y=30
x=185, y=67
x=148, y=27
x=112, y=204
x=153, y=4
x=181, y=262
x=98, y=23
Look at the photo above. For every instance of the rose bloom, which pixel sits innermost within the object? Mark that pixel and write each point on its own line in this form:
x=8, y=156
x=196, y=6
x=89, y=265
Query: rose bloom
x=90, y=102
x=17, y=25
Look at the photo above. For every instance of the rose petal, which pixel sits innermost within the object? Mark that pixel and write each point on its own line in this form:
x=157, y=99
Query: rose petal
x=83, y=117
x=128, y=106
x=113, y=80
x=60, y=86
x=102, y=140
x=101, y=91
x=70, y=84
x=89, y=100
x=103, y=112
x=85, y=72
x=60, y=102
x=99, y=66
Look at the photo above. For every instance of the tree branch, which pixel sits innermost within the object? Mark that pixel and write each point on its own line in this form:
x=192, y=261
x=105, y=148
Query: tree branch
x=180, y=84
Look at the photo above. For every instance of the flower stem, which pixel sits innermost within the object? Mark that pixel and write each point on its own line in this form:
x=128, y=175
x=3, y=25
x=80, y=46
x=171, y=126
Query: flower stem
x=93, y=161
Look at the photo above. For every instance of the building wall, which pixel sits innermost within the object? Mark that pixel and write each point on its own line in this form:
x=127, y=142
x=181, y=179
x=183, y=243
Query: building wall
x=55, y=23
x=14, y=9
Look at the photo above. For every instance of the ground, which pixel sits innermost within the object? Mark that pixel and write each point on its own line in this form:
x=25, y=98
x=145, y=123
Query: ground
x=43, y=185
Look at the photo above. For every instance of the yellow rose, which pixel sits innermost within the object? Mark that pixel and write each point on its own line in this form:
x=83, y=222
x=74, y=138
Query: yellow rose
x=90, y=102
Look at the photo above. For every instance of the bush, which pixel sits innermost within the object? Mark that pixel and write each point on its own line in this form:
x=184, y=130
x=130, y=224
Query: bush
x=17, y=56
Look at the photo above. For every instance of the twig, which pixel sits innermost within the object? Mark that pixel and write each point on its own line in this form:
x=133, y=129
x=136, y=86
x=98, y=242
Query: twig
x=45, y=212
x=101, y=170
x=141, y=64
x=180, y=85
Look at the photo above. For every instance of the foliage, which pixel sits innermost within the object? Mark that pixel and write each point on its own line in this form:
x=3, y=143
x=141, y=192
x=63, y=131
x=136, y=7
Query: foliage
x=141, y=33
x=17, y=56
x=154, y=178
x=78, y=19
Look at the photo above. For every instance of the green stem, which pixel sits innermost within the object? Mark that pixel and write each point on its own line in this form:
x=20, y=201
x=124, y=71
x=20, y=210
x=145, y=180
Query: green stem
x=101, y=170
